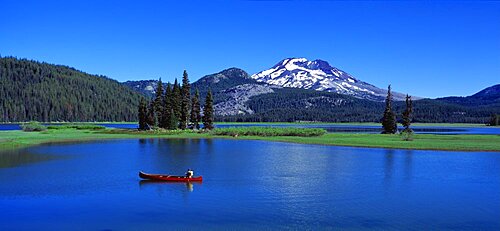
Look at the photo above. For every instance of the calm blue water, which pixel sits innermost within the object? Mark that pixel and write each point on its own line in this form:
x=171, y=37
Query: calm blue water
x=332, y=128
x=247, y=185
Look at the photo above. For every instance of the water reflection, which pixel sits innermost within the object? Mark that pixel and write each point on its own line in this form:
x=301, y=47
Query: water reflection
x=14, y=158
x=408, y=164
x=394, y=157
x=160, y=185
x=388, y=163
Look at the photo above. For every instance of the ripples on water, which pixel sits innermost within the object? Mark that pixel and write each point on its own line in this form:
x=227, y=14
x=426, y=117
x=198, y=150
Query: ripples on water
x=247, y=185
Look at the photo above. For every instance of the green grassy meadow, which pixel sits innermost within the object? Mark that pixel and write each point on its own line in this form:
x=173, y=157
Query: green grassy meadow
x=19, y=139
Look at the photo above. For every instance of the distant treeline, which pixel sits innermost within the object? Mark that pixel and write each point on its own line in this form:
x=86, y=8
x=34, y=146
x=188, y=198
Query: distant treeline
x=38, y=91
x=304, y=105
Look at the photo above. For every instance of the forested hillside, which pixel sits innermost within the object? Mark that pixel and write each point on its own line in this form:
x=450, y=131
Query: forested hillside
x=31, y=90
x=290, y=104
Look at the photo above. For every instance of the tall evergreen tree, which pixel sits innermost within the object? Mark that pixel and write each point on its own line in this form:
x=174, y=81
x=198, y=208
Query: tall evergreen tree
x=176, y=100
x=407, y=114
x=151, y=117
x=143, y=111
x=172, y=121
x=495, y=120
x=389, y=120
x=185, y=101
x=195, y=110
x=158, y=103
x=208, y=112
x=167, y=108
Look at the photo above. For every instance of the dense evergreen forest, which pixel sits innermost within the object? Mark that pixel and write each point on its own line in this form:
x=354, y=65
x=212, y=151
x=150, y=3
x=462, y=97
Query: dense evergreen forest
x=174, y=107
x=307, y=105
x=31, y=90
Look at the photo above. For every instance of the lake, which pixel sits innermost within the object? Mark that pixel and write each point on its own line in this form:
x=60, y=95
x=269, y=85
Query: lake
x=247, y=185
x=374, y=129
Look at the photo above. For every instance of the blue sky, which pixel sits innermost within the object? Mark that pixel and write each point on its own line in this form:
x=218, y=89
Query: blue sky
x=425, y=48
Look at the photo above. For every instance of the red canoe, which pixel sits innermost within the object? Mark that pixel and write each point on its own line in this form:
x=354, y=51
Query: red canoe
x=170, y=178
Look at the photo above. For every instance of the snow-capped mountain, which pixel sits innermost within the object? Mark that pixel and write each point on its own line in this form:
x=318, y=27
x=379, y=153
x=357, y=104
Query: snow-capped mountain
x=319, y=75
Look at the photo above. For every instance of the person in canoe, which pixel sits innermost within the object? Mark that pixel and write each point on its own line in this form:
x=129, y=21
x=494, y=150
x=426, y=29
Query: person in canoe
x=189, y=173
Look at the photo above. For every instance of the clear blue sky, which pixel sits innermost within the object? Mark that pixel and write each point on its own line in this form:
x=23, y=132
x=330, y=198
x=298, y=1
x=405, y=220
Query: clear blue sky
x=424, y=48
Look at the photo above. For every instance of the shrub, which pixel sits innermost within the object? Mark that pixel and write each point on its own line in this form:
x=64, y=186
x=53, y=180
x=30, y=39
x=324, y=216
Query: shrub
x=407, y=135
x=33, y=126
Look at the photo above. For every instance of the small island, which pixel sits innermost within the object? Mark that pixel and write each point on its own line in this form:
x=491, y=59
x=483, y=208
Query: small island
x=20, y=139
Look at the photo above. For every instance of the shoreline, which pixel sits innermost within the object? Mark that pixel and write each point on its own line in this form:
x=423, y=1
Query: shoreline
x=467, y=125
x=10, y=140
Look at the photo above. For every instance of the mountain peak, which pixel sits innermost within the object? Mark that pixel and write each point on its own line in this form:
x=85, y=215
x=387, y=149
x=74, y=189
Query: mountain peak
x=291, y=63
x=321, y=76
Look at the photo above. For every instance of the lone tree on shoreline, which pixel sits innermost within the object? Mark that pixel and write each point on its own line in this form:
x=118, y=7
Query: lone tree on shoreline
x=208, y=112
x=389, y=120
x=407, y=114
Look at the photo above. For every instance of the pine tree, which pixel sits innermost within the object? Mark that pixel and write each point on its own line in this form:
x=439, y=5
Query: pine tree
x=495, y=120
x=167, y=108
x=172, y=121
x=185, y=101
x=195, y=110
x=158, y=103
x=407, y=114
x=176, y=100
x=143, y=111
x=208, y=112
x=389, y=120
x=151, y=117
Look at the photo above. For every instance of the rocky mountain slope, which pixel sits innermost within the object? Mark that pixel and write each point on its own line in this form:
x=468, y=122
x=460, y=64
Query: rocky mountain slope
x=145, y=87
x=232, y=88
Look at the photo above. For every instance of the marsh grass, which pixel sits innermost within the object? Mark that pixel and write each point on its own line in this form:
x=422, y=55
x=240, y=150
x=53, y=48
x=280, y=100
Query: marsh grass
x=77, y=126
x=268, y=131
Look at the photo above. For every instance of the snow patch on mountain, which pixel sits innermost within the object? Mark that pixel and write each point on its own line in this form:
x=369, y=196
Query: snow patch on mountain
x=319, y=75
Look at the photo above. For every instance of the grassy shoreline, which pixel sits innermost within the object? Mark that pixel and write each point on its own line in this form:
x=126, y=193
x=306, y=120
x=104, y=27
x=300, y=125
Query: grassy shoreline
x=294, y=123
x=20, y=139
x=361, y=124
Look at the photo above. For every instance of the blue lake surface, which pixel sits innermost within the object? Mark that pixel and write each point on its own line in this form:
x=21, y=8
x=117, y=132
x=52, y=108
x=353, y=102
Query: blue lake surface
x=331, y=128
x=247, y=185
